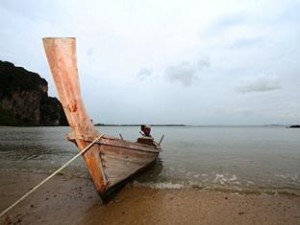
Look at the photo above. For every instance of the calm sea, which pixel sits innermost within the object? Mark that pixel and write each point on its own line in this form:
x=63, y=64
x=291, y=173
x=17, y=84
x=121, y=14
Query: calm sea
x=229, y=158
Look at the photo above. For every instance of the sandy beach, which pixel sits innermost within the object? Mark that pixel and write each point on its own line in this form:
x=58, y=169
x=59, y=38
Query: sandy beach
x=73, y=200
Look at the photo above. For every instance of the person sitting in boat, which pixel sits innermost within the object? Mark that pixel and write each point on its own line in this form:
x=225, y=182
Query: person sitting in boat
x=145, y=130
x=147, y=138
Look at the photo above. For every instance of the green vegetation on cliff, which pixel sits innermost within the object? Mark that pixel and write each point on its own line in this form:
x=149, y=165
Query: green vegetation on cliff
x=7, y=118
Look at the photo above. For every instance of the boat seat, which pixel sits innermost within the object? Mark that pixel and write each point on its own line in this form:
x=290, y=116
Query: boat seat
x=146, y=141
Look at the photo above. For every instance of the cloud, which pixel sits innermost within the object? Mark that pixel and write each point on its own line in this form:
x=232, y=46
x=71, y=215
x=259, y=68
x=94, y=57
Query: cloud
x=144, y=73
x=225, y=23
x=258, y=84
x=186, y=72
x=247, y=42
x=37, y=10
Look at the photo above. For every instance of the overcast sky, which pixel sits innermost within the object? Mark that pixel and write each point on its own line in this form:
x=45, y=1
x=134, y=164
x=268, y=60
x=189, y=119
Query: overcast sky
x=168, y=61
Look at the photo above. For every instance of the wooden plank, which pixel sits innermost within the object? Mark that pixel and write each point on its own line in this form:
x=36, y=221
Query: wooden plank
x=120, y=164
x=61, y=55
x=128, y=145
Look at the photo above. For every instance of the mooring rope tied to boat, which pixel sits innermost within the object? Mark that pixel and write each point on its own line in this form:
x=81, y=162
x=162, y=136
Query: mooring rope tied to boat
x=50, y=176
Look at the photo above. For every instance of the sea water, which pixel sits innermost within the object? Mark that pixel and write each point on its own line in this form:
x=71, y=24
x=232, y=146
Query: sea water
x=226, y=158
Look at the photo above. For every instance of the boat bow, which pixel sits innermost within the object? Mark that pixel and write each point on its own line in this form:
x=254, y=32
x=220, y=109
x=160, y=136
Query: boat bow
x=111, y=160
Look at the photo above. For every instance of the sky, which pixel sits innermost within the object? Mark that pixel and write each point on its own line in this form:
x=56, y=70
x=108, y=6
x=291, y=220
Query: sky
x=189, y=62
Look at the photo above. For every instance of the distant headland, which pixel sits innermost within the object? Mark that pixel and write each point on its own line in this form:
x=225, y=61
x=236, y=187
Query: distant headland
x=294, y=126
x=24, y=99
x=135, y=125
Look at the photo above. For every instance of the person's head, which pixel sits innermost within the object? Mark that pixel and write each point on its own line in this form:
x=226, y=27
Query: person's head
x=147, y=130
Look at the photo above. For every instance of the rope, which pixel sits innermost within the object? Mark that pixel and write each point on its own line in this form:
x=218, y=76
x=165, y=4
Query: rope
x=52, y=175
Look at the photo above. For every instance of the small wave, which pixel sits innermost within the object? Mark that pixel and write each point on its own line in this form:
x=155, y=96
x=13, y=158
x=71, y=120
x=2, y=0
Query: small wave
x=160, y=185
x=293, y=177
x=225, y=179
x=217, y=187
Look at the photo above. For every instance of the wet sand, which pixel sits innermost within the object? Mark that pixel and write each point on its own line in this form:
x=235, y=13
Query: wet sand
x=72, y=200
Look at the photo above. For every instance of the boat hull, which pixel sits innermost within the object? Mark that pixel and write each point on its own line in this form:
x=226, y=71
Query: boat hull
x=119, y=160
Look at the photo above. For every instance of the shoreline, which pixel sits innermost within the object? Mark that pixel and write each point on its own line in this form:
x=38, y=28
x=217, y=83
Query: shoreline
x=73, y=200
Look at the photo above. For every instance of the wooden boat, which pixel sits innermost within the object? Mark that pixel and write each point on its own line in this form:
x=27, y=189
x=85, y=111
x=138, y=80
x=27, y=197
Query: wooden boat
x=111, y=161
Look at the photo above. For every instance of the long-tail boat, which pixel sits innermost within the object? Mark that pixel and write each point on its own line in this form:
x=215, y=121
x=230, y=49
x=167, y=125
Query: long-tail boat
x=111, y=161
